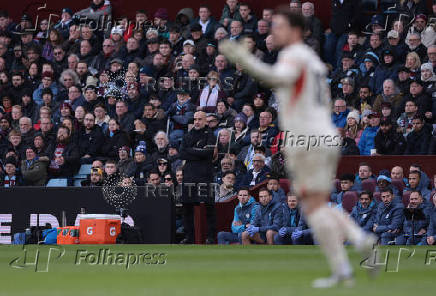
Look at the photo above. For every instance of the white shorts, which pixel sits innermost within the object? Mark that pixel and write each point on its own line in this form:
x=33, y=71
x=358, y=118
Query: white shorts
x=313, y=169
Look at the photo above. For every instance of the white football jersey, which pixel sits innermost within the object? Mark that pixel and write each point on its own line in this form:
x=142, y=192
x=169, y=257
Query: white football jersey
x=304, y=104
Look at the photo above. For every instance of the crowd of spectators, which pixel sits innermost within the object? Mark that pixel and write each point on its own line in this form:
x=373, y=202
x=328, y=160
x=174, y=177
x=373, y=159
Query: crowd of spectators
x=122, y=99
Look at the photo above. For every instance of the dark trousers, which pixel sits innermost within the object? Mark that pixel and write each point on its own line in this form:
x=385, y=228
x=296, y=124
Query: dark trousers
x=188, y=220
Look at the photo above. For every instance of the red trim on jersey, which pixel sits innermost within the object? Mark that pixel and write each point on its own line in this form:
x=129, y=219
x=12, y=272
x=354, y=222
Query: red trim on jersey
x=298, y=87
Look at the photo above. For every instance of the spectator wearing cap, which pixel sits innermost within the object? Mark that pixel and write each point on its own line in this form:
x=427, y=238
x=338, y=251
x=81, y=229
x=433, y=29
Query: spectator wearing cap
x=96, y=178
x=398, y=47
x=47, y=82
x=206, y=58
x=206, y=21
x=143, y=165
x=174, y=157
x=34, y=168
x=420, y=97
x=403, y=80
x=114, y=139
x=383, y=182
x=197, y=36
x=11, y=176
x=346, y=68
x=390, y=94
x=387, y=69
x=180, y=113
x=125, y=165
x=161, y=22
x=366, y=143
x=418, y=139
x=64, y=23
x=257, y=174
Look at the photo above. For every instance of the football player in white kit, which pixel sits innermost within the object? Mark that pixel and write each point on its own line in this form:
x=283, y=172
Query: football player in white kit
x=299, y=80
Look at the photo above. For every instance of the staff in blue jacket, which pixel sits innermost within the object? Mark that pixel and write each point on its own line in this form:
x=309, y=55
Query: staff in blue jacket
x=291, y=217
x=364, y=211
x=389, y=218
x=431, y=233
x=267, y=222
x=244, y=217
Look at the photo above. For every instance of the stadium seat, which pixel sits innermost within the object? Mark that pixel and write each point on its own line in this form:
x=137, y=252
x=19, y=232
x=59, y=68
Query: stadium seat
x=369, y=185
x=78, y=182
x=406, y=198
x=399, y=184
x=377, y=197
x=85, y=169
x=285, y=184
x=57, y=183
x=349, y=200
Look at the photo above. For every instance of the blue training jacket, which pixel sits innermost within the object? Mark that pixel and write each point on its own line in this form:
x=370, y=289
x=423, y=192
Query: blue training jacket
x=389, y=217
x=269, y=217
x=364, y=217
x=244, y=214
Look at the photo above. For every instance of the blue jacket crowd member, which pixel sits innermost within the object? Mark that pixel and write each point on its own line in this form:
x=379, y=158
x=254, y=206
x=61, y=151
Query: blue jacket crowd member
x=364, y=211
x=291, y=218
x=244, y=217
x=414, y=185
x=278, y=193
x=389, y=218
x=302, y=235
x=415, y=233
x=347, y=182
x=267, y=221
x=431, y=233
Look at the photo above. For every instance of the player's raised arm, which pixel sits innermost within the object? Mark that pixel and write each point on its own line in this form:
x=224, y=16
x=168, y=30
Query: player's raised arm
x=280, y=75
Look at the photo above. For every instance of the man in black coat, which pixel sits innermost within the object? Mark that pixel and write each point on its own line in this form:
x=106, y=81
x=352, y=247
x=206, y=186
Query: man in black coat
x=418, y=139
x=64, y=160
x=91, y=138
x=198, y=177
x=388, y=141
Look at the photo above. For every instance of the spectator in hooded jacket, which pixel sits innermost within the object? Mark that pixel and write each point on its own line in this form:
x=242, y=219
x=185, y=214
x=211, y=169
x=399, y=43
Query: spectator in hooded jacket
x=389, y=218
x=244, y=215
x=291, y=218
x=267, y=222
x=431, y=233
x=414, y=232
x=364, y=211
x=367, y=69
x=366, y=143
x=387, y=69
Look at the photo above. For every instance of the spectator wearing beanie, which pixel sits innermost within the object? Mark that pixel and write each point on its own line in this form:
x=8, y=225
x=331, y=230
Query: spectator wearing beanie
x=352, y=129
x=142, y=164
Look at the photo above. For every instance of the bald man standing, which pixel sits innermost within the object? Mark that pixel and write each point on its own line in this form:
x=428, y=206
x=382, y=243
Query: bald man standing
x=197, y=150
